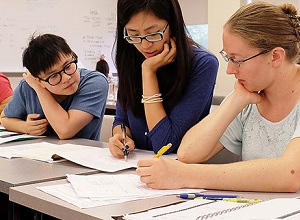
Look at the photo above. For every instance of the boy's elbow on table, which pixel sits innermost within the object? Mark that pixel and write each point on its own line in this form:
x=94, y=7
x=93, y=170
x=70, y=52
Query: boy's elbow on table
x=64, y=134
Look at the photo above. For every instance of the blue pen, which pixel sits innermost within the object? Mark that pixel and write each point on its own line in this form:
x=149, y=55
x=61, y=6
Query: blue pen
x=123, y=128
x=204, y=196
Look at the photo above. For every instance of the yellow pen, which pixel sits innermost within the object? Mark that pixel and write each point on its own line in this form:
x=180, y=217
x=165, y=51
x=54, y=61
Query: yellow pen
x=238, y=200
x=163, y=150
x=241, y=200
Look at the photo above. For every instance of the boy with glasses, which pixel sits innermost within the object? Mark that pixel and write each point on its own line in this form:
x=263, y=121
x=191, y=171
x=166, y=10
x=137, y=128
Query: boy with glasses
x=55, y=97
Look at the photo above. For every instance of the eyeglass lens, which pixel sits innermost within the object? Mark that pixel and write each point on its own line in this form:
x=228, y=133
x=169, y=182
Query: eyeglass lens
x=239, y=62
x=56, y=78
x=153, y=37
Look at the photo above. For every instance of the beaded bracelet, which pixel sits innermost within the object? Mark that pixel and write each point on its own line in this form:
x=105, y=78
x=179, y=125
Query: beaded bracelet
x=152, y=99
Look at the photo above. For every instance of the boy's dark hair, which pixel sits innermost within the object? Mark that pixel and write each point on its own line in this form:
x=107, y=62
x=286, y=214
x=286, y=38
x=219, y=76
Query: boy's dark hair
x=44, y=51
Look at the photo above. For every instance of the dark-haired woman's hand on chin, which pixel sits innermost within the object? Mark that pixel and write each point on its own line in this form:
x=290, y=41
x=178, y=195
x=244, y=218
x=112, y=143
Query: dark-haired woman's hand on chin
x=167, y=56
x=116, y=146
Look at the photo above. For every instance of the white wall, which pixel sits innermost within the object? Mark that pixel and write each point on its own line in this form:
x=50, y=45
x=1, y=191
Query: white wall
x=194, y=11
x=218, y=14
x=215, y=13
x=278, y=2
x=14, y=79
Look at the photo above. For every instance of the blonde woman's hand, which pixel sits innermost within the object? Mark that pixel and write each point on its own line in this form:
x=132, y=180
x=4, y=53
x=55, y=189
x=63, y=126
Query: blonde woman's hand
x=162, y=173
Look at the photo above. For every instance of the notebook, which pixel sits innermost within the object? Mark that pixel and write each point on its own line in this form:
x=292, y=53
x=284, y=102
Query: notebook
x=279, y=208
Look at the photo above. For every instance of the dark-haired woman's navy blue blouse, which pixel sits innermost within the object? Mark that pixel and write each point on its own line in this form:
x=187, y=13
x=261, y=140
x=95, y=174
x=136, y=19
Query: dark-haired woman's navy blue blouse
x=193, y=106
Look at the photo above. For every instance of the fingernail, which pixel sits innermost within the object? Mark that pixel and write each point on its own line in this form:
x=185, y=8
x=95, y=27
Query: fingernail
x=123, y=149
x=127, y=147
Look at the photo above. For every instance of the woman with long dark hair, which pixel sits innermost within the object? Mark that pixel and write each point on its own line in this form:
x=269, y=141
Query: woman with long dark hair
x=166, y=80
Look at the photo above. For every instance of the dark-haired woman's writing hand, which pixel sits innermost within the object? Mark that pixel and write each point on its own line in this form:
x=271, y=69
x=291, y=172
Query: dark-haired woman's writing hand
x=116, y=146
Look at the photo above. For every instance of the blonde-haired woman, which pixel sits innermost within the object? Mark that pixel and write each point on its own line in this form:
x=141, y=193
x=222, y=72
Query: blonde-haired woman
x=260, y=118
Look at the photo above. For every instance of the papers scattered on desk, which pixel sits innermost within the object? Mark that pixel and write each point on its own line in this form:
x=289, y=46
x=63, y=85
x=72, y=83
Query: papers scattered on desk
x=281, y=208
x=16, y=150
x=91, y=157
x=115, y=186
x=42, y=151
x=9, y=136
x=103, y=189
x=66, y=193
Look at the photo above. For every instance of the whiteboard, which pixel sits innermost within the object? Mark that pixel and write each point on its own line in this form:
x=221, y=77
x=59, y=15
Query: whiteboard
x=87, y=25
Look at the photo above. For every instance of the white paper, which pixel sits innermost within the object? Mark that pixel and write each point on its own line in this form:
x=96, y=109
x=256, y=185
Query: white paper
x=116, y=186
x=15, y=137
x=43, y=151
x=66, y=193
x=91, y=157
x=12, y=151
x=279, y=208
x=108, y=195
x=101, y=158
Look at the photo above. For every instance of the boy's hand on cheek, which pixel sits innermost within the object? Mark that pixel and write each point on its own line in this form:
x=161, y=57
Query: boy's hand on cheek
x=32, y=81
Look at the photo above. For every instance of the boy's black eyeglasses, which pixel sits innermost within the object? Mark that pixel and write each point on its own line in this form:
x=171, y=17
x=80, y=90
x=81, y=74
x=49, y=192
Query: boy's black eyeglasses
x=55, y=78
x=153, y=37
x=236, y=62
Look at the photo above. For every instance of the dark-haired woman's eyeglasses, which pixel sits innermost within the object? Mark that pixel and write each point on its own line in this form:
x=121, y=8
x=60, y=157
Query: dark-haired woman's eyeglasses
x=237, y=62
x=55, y=78
x=153, y=37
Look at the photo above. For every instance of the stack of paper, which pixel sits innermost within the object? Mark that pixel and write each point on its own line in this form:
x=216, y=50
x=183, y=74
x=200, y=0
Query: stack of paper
x=95, y=190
